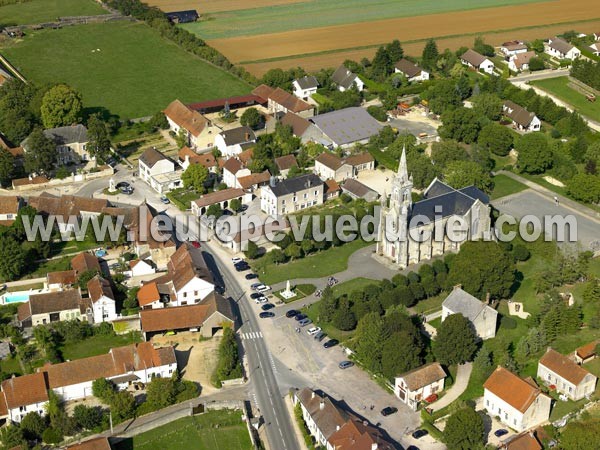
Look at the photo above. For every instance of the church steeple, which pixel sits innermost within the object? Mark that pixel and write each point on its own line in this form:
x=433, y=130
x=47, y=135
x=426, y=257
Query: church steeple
x=402, y=167
x=402, y=186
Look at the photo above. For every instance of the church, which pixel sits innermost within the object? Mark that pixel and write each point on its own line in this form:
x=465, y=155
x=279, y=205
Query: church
x=412, y=232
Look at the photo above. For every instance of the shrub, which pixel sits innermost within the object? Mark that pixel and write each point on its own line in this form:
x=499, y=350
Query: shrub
x=378, y=113
x=521, y=253
x=52, y=436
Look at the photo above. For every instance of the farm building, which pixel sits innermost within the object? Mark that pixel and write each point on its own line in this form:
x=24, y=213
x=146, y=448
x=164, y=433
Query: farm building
x=348, y=126
x=187, y=16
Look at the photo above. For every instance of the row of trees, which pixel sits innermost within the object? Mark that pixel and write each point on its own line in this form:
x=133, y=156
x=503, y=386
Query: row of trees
x=229, y=365
x=586, y=71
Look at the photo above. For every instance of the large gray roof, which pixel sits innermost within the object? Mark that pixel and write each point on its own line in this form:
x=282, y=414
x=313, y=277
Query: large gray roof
x=239, y=135
x=348, y=125
x=307, y=82
x=67, y=135
x=296, y=184
x=461, y=302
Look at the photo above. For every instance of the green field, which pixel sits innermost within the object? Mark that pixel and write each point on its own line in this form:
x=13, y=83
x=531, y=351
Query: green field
x=559, y=88
x=97, y=345
x=135, y=74
x=40, y=11
x=214, y=430
x=323, y=13
x=504, y=185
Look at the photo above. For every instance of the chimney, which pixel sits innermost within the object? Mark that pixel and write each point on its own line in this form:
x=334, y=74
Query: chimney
x=312, y=394
x=322, y=404
x=272, y=183
x=457, y=286
x=487, y=298
x=247, y=137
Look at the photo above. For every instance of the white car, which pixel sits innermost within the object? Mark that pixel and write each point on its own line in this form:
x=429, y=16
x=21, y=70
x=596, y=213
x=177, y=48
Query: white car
x=314, y=330
x=260, y=300
x=236, y=260
x=263, y=288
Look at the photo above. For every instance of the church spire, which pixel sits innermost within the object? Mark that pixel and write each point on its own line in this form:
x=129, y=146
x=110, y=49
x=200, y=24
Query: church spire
x=402, y=167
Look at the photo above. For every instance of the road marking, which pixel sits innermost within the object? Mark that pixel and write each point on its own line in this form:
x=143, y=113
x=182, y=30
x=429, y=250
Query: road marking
x=252, y=335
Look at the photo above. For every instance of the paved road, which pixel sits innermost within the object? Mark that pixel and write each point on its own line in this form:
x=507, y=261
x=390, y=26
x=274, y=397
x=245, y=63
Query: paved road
x=541, y=75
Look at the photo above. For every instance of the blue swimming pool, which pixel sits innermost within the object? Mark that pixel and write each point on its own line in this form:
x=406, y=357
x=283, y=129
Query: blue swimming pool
x=16, y=298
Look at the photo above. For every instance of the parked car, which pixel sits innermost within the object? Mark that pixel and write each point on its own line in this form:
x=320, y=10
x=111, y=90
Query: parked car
x=196, y=244
x=300, y=317
x=304, y=322
x=418, y=434
x=320, y=336
x=165, y=200
x=242, y=267
x=345, y=364
x=412, y=447
x=126, y=190
x=331, y=343
x=100, y=253
x=255, y=295
x=122, y=185
x=267, y=306
x=388, y=410
x=251, y=276
x=314, y=330
x=236, y=260
x=255, y=285
x=291, y=313
x=501, y=432
x=266, y=314
x=263, y=288
x=260, y=300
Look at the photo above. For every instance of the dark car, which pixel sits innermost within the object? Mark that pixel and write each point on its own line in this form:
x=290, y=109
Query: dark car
x=255, y=285
x=331, y=343
x=412, y=447
x=242, y=267
x=501, y=432
x=300, y=317
x=388, y=410
x=126, y=190
x=220, y=290
x=266, y=314
x=122, y=185
x=251, y=276
x=321, y=336
x=291, y=313
x=267, y=306
x=419, y=434
x=345, y=364
x=255, y=295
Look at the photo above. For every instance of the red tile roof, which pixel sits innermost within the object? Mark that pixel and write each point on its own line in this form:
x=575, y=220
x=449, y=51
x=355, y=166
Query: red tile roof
x=100, y=443
x=588, y=350
x=64, y=277
x=84, y=262
x=98, y=287
x=511, y=388
x=25, y=390
x=254, y=179
x=563, y=366
x=148, y=294
x=186, y=118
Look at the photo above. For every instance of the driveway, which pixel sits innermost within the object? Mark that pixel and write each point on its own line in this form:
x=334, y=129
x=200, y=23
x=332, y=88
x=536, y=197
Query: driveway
x=460, y=384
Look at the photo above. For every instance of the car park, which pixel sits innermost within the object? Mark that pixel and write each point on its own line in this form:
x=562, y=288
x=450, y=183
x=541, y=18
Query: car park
x=388, y=410
x=165, y=200
x=418, y=434
x=251, y=276
x=501, y=432
x=267, y=306
x=263, y=288
x=331, y=343
x=299, y=317
x=291, y=313
x=266, y=314
x=345, y=364
x=304, y=322
x=314, y=330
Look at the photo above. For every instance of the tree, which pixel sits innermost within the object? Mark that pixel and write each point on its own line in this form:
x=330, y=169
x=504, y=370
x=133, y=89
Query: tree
x=103, y=389
x=536, y=63
x=488, y=105
x=483, y=362
x=17, y=110
x=482, y=268
x=12, y=436
x=33, y=425
x=481, y=47
x=214, y=210
x=535, y=155
x=459, y=174
x=41, y=153
x=276, y=256
x=85, y=277
x=293, y=251
x=585, y=188
x=465, y=430
x=446, y=151
x=12, y=258
x=52, y=436
x=61, y=106
x=370, y=336
x=194, y=177
x=496, y=138
x=161, y=392
x=131, y=301
x=461, y=124
x=580, y=434
x=87, y=417
x=395, y=51
x=98, y=145
x=456, y=340
x=253, y=250
x=235, y=205
x=252, y=118
x=463, y=87
x=400, y=353
x=228, y=365
x=7, y=167
x=343, y=318
x=430, y=55
x=122, y=406
x=381, y=66
x=442, y=96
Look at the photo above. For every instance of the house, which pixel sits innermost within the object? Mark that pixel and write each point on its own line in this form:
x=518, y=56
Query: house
x=336, y=428
x=304, y=129
x=253, y=181
x=68, y=210
x=411, y=71
x=139, y=267
x=513, y=48
x=586, y=352
x=418, y=384
x=206, y=317
x=330, y=166
x=332, y=189
x=345, y=79
x=85, y=262
x=51, y=307
x=71, y=144
x=522, y=119
x=356, y=190
x=279, y=100
x=516, y=402
x=22, y=183
x=520, y=61
x=597, y=36
x=566, y=375
x=346, y=127
x=100, y=443
x=158, y=171
x=9, y=208
x=221, y=198
x=305, y=87
x=187, y=157
x=481, y=315
x=477, y=61
x=291, y=195
x=595, y=48
x=285, y=163
x=22, y=395
x=232, y=142
x=232, y=169
x=187, y=16
x=102, y=300
x=193, y=124
x=57, y=281
x=561, y=49
x=524, y=441
x=235, y=102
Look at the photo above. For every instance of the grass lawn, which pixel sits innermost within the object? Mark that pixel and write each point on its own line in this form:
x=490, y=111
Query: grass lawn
x=321, y=264
x=301, y=290
x=559, y=88
x=39, y=11
x=135, y=74
x=435, y=323
x=53, y=265
x=26, y=287
x=214, y=430
x=430, y=304
x=504, y=185
x=97, y=345
x=183, y=198
x=11, y=365
x=356, y=284
x=561, y=409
